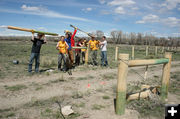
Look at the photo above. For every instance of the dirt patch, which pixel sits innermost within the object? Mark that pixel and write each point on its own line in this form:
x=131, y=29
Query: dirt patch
x=91, y=94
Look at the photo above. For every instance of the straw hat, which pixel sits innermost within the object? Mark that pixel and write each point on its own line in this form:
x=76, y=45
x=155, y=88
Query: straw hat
x=67, y=31
x=93, y=35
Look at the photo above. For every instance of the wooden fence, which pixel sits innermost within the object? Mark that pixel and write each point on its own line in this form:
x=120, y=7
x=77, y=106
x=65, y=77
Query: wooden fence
x=147, y=49
x=124, y=63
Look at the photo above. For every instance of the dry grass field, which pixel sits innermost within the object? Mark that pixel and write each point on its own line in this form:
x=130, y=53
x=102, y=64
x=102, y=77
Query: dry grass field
x=90, y=90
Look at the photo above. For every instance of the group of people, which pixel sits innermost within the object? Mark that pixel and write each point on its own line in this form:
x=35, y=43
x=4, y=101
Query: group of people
x=66, y=51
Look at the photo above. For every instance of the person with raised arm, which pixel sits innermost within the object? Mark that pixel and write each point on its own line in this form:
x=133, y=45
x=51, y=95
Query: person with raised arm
x=35, y=51
x=69, y=38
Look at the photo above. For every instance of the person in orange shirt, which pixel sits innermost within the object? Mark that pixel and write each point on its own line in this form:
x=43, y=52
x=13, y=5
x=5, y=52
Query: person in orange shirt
x=93, y=49
x=62, y=46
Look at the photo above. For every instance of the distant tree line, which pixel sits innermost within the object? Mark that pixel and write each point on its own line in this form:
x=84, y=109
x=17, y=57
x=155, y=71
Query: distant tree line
x=118, y=37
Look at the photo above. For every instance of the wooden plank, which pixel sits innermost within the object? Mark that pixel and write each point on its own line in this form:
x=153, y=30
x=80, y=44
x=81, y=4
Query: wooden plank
x=47, y=33
x=141, y=95
x=79, y=47
x=133, y=63
x=31, y=30
x=20, y=29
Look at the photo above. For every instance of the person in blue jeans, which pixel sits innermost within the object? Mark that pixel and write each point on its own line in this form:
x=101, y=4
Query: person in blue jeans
x=103, y=46
x=35, y=51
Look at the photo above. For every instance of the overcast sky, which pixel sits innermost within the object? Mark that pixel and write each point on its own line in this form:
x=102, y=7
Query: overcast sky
x=158, y=17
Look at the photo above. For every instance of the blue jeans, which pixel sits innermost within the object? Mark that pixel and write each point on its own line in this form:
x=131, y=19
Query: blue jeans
x=35, y=56
x=104, y=61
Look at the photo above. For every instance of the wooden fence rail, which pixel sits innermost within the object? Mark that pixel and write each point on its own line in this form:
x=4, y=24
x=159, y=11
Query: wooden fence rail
x=133, y=63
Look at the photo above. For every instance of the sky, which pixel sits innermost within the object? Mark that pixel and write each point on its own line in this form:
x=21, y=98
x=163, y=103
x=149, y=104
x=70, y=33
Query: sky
x=158, y=17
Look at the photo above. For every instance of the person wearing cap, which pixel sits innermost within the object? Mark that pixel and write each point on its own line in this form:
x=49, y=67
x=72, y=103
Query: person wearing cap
x=35, y=52
x=69, y=38
x=93, y=49
x=83, y=51
x=103, y=47
x=62, y=46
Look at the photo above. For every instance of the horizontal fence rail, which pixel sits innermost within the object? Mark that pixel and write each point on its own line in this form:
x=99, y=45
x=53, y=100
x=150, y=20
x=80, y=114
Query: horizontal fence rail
x=79, y=47
x=133, y=63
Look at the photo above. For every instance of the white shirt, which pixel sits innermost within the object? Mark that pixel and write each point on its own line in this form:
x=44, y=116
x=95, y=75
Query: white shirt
x=104, y=46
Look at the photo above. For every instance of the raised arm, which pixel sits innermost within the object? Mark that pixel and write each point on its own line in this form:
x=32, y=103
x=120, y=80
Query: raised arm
x=74, y=33
x=32, y=37
x=45, y=40
x=72, y=37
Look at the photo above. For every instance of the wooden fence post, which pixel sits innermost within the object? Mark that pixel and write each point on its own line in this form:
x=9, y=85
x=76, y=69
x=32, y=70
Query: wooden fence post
x=163, y=49
x=166, y=76
x=172, y=48
x=176, y=49
x=146, y=71
x=86, y=56
x=121, y=84
x=116, y=54
x=132, y=52
x=156, y=49
x=146, y=50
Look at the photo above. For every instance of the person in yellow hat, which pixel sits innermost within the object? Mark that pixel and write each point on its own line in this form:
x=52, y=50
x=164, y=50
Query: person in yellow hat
x=93, y=49
x=83, y=51
x=62, y=46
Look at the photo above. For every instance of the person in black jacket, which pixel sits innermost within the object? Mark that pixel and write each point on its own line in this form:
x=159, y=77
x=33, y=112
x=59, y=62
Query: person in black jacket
x=35, y=52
